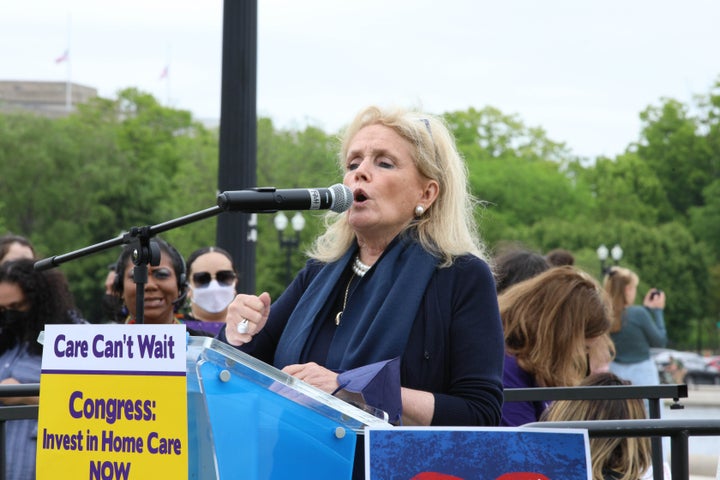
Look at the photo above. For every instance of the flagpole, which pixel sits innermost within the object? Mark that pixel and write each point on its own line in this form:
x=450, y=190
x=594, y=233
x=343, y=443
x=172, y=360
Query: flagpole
x=167, y=77
x=68, y=81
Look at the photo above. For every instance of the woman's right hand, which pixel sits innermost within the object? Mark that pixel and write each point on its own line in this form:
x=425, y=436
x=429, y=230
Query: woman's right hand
x=246, y=316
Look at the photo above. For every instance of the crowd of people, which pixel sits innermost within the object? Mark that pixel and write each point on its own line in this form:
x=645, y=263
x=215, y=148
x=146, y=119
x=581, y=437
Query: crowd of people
x=399, y=284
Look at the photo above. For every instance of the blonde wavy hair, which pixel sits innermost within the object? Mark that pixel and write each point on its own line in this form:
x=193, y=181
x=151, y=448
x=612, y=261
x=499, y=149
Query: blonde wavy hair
x=628, y=456
x=448, y=228
x=615, y=283
x=548, y=318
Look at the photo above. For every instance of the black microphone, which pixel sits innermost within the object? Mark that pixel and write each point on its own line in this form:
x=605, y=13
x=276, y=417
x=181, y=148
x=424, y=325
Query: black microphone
x=337, y=198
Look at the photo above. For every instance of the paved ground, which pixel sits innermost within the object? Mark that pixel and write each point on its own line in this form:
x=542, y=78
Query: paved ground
x=703, y=467
x=702, y=395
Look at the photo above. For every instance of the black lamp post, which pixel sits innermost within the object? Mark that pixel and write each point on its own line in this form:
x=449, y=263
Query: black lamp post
x=289, y=243
x=603, y=252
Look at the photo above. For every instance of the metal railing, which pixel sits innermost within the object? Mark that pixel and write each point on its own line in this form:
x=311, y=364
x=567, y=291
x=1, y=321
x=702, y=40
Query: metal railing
x=652, y=393
x=15, y=412
x=678, y=430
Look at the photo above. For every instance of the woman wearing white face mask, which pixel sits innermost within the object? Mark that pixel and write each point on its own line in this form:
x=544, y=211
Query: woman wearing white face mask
x=211, y=281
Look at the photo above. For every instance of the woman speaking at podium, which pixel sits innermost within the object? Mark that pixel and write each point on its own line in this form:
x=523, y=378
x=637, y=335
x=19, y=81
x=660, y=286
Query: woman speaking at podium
x=400, y=275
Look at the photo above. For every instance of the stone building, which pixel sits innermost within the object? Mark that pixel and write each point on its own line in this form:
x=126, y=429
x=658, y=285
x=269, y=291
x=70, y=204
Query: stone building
x=51, y=99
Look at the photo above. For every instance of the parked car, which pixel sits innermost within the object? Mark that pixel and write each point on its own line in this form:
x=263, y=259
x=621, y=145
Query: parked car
x=675, y=366
x=714, y=362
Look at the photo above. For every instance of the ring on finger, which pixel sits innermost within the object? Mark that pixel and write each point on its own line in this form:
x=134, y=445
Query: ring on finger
x=243, y=326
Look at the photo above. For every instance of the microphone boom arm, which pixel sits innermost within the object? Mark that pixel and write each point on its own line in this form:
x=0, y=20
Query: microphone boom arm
x=145, y=254
x=253, y=200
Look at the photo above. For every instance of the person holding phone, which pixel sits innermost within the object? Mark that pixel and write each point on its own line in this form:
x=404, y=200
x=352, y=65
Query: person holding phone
x=635, y=328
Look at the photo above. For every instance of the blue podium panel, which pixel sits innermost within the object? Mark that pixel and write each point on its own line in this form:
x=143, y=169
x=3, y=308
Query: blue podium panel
x=248, y=420
x=477, y=453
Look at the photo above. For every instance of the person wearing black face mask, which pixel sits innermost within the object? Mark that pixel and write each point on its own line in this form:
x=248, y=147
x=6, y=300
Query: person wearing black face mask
x=29, y=299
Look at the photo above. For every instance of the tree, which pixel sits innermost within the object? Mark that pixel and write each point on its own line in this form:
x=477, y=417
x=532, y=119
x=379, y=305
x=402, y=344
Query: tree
x=288, y=159
x=76, y=181
x=488, y=133
x=626, y=188
x=705, y=220
x=128, y=161
x=539, y=195
x=519, y=174
x=673, y=148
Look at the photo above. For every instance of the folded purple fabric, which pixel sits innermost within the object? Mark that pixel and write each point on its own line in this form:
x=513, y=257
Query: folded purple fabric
x=379, y=385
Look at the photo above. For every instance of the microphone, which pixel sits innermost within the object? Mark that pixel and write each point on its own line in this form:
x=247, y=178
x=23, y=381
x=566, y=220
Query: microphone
x=337, y=198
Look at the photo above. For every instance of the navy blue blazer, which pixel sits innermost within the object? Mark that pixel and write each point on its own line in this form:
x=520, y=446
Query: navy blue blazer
x=455, y=349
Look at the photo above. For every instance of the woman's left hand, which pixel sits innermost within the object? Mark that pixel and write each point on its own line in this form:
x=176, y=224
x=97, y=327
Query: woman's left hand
x=654, y=298
x=315, y=375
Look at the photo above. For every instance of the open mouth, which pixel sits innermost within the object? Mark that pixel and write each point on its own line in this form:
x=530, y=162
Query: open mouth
x=359, y=196
x=153, y=302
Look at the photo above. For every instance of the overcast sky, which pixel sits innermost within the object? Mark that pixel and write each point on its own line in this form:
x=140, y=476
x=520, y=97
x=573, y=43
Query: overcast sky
x=581, y=69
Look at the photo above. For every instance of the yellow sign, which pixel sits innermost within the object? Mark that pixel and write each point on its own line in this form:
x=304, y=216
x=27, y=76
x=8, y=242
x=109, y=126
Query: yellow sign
x=113, y=402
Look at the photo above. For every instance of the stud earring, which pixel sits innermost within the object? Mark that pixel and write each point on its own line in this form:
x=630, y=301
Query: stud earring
x=419, y=210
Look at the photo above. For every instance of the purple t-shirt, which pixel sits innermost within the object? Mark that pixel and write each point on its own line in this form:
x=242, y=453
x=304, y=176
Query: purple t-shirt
x=515, y=414
x=209, y=328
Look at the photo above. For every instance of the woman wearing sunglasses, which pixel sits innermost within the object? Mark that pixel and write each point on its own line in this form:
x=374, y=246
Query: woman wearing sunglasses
x=212, y=281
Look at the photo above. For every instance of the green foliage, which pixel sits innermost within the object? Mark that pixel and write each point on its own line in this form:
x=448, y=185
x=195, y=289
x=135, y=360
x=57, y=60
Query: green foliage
x=705, y=219
x=522, y=193
x=539, y=195
x=77, y=181
x=653, y=252
x=674, y=148
x=288, y=159
x=129, y=161
x=627, y=188
x=488, y=133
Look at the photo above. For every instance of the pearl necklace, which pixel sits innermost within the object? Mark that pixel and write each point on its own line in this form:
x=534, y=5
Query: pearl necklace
x=359, y=267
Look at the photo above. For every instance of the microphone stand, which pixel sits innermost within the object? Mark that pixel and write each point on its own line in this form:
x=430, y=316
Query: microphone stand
x=145, y=253
x=226, y=201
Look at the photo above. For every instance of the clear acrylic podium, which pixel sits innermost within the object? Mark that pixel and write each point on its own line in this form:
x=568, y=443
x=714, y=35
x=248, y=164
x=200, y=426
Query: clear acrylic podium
x=249, y=420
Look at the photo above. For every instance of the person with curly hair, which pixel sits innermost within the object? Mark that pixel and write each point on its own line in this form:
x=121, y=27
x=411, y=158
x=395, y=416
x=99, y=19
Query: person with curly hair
x=29, y=299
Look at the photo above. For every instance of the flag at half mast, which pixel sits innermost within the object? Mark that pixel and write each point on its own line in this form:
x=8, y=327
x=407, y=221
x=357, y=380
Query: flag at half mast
x=64, y=57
